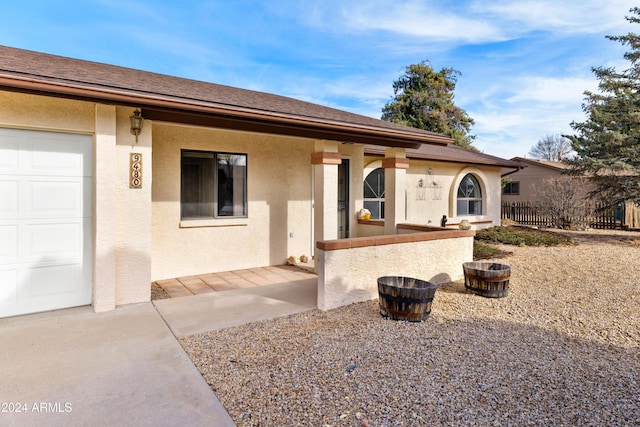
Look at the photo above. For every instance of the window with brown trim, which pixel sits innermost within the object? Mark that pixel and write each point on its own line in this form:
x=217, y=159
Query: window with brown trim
x=213, y=185
x=512, y=188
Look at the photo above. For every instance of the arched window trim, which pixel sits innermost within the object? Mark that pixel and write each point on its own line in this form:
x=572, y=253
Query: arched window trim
x=481, y=179
x=374, y=204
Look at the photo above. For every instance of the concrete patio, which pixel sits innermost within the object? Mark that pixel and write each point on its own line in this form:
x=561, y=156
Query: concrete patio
x=237, y=279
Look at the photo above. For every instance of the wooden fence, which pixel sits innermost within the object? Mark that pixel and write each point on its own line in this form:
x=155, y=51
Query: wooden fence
x=596, y=217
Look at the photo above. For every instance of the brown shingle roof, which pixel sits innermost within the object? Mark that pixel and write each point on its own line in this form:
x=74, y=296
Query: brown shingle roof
x=449, y=153
x=545, y=163
x=164, y=97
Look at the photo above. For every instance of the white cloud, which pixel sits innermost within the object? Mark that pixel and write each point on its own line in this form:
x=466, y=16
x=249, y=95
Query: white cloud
x=415, y=18
x=466, y=21
x=419, y=19
x=510, y=126
x=583, y=16
x=566, y=90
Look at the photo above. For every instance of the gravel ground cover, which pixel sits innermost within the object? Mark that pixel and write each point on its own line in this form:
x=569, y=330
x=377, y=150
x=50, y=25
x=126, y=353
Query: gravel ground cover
x=562, y=349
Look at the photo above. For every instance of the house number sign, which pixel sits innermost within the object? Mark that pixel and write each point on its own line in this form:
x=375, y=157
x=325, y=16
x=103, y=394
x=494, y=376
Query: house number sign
x=135, y=170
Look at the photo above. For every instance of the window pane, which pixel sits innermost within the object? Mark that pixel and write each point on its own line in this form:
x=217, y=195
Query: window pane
x=376, y=207
x=197, y=185
x=512, y=188
x=373, y=207
x=232, y=174
x=469, y=201
x=469, y=187
x=374, y=184
x=475, y=207
x=463, y=207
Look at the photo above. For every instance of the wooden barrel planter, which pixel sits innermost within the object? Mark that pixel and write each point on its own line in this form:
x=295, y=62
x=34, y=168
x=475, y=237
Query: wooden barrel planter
x=404, y=298
x=487, y=279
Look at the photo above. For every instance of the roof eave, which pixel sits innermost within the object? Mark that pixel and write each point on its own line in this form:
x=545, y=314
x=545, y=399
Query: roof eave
x=174, y=109
x=502, y=163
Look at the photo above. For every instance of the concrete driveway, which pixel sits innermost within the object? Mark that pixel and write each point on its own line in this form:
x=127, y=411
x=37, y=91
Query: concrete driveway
x=120, y=368
x=125, y=367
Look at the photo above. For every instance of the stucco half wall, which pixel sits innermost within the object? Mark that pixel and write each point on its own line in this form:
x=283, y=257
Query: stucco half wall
x=348, y=269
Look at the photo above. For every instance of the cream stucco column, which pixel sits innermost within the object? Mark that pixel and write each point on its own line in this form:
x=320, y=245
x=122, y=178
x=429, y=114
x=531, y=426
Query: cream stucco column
x=395, y=166
x=325, y=161
x=133, y=212
x=104, y=218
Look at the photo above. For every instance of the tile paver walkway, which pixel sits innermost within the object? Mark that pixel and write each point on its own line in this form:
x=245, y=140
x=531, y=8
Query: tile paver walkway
x=237, y=279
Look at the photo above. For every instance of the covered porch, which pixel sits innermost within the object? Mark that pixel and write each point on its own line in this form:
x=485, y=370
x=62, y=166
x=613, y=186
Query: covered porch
x=188, y=178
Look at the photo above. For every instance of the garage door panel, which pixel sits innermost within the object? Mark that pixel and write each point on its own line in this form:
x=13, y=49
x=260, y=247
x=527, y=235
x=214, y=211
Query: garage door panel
x=45, y=221
x=8, y=242
x=9, y=154
x=8, y=286
x=9, y=196
x=54, y=198
x=53, y=156
x=55, y=240
x=54, y=279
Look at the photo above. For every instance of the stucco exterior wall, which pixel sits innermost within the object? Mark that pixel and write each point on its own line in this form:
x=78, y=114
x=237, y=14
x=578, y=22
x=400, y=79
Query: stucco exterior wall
x=121, y=225
x=431, y=189
x=133, y=213
x=44, y=113
x=279, y=220
x=350, y=275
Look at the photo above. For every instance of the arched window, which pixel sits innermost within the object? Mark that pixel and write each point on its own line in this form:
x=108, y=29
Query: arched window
x=469, y=196
x=374, y=193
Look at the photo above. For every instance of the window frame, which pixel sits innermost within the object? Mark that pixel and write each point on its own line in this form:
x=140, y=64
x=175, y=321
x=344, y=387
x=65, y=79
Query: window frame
x=380, y=201
x=510, y=185
x=214, y=184
x=469, y=200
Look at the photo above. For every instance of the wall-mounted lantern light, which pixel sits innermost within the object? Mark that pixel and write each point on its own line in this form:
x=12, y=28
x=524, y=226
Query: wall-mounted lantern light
x=136, y=123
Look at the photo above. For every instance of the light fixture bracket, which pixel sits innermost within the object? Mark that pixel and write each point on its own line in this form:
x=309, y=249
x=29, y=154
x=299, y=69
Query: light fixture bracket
x=136, y=123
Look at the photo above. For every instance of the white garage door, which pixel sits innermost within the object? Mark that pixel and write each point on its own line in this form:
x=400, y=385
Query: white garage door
x=45, y=221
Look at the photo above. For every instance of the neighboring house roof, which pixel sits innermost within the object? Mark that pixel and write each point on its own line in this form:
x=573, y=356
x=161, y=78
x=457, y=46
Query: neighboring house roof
x=561, y=167
x=450, y=153
x=558, y=166
x=166, y=98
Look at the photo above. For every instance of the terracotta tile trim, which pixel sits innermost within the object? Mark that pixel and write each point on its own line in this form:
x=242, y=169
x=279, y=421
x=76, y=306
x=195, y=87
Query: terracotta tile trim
x=395, y=163
x=360, y=242
x=326, y=158
x=470, y=222
x=419, y=227
x=376, y=222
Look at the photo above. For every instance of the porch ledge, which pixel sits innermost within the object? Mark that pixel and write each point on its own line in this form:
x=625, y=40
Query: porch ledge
x=360, y=242
x=376, y=222
x=456, y=224
x=218, y=222
x=420, y=227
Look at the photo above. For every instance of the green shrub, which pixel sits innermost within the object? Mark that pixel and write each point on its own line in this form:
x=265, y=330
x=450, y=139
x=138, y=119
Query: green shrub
x=486, y=251
x=521, y=236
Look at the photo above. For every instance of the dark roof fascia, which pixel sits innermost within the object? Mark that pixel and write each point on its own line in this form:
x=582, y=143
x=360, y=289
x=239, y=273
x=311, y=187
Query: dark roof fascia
x=480, y=158
x=173, y=112
x=532, y=162
x=170, y=108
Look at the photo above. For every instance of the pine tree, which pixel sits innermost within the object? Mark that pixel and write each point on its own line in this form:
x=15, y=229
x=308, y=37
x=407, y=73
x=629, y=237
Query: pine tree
x=608, y=142
x=423, y=99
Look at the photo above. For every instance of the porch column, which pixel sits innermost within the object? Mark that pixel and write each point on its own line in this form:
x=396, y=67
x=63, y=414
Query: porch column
x=133, y=212
x=104, y=217
x=395, y=165
x=325, y=161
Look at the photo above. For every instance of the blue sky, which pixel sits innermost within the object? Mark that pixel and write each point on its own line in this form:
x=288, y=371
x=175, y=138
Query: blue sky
x=525, y=64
